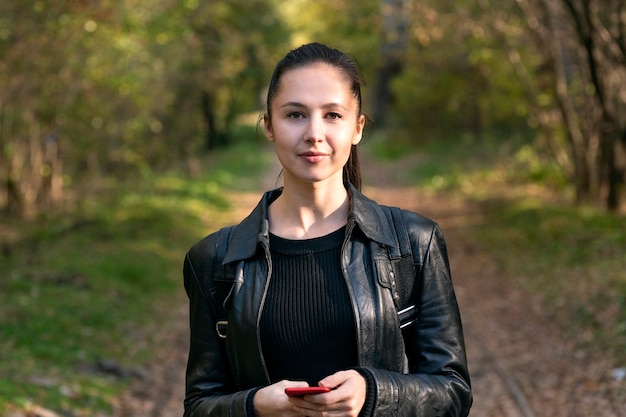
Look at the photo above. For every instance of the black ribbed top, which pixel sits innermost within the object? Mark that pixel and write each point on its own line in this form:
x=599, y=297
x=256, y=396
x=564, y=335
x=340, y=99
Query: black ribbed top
x=307, y=325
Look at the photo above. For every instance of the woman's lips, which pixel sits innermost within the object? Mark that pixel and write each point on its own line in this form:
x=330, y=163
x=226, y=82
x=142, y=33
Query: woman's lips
x=312, y=157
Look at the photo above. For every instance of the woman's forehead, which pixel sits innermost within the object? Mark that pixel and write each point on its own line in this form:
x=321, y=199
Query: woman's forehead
x=315, y=80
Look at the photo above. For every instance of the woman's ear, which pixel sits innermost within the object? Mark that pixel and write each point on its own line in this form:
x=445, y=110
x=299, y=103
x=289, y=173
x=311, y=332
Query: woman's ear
x=267, y=124
x=360, y=125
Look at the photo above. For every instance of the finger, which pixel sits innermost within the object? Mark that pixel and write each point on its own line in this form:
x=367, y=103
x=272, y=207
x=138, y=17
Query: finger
x=338, y=378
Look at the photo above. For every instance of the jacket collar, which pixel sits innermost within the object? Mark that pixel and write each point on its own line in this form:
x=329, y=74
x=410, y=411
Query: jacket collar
x=254, y=229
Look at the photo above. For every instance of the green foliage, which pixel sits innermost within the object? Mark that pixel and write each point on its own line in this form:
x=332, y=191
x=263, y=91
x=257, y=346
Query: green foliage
x=350, y=26
x=528, y=165
x=119, y=85
x=80, y=290
x=82, y=294
x=126, y=88
x=389, y=146
x=456, y=76
x=237, y=42
x=455, y=162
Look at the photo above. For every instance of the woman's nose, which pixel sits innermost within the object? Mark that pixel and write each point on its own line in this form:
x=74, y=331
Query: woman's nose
x=315, y=129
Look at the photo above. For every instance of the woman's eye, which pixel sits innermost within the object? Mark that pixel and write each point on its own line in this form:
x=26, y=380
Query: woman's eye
x=334, y=116
x=295, y=115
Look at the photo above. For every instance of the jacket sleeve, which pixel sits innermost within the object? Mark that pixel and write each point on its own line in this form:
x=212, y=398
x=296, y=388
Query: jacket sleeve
x=437, y=383
x=209, y=389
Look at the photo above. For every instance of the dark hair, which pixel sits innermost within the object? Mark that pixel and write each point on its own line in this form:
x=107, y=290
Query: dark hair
x=318, y=53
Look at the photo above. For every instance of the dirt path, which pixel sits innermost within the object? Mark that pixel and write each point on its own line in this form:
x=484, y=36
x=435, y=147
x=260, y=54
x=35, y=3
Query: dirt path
x=521, y=362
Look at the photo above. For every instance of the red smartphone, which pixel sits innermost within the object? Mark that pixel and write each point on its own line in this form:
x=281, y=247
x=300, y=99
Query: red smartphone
x=301, y=391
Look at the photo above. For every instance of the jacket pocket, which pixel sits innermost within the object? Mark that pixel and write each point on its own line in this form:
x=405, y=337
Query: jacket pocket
x=391, y=280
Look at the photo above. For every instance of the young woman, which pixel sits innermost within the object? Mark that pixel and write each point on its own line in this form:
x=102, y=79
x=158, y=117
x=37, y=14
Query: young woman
x=312, y=282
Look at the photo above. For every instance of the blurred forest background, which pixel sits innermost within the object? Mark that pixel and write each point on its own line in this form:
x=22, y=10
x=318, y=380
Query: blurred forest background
x=126, y=124
x=118, y=88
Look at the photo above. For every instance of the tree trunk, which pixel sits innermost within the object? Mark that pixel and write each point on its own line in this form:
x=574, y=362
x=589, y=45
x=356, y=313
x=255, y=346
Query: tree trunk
x=395, y=35
x=605, y=51
x=580, y=140
x=613, y=153
x=215, y=138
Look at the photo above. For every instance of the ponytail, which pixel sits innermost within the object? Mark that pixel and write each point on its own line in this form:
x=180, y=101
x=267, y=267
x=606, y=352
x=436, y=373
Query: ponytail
x=352, y=169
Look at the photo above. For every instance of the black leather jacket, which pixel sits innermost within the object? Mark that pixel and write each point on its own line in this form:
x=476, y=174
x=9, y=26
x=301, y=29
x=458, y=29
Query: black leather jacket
x=420, y=370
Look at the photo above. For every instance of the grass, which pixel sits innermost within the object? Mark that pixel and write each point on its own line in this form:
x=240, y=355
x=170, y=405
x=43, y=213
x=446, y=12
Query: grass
x=573, y=257
x=84, y=289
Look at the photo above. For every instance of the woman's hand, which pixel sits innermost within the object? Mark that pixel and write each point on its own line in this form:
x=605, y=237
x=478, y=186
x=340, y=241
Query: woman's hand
x=271, y=401
x=345, y=400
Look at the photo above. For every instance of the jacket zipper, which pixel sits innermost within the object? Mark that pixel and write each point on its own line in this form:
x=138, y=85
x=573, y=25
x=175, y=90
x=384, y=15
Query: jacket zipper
x=268, y=261
x=344, y=271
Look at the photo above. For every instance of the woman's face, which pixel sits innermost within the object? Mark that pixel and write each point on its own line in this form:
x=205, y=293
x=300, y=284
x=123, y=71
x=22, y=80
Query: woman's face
x=314, y=123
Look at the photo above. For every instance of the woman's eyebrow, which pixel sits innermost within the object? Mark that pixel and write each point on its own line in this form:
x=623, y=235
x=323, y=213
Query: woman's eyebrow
x=334, y=106
x=292, y=104
x=325, y=106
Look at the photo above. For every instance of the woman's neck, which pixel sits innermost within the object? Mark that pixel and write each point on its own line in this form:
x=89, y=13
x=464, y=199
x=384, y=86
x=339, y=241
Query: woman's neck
x=304, y=212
